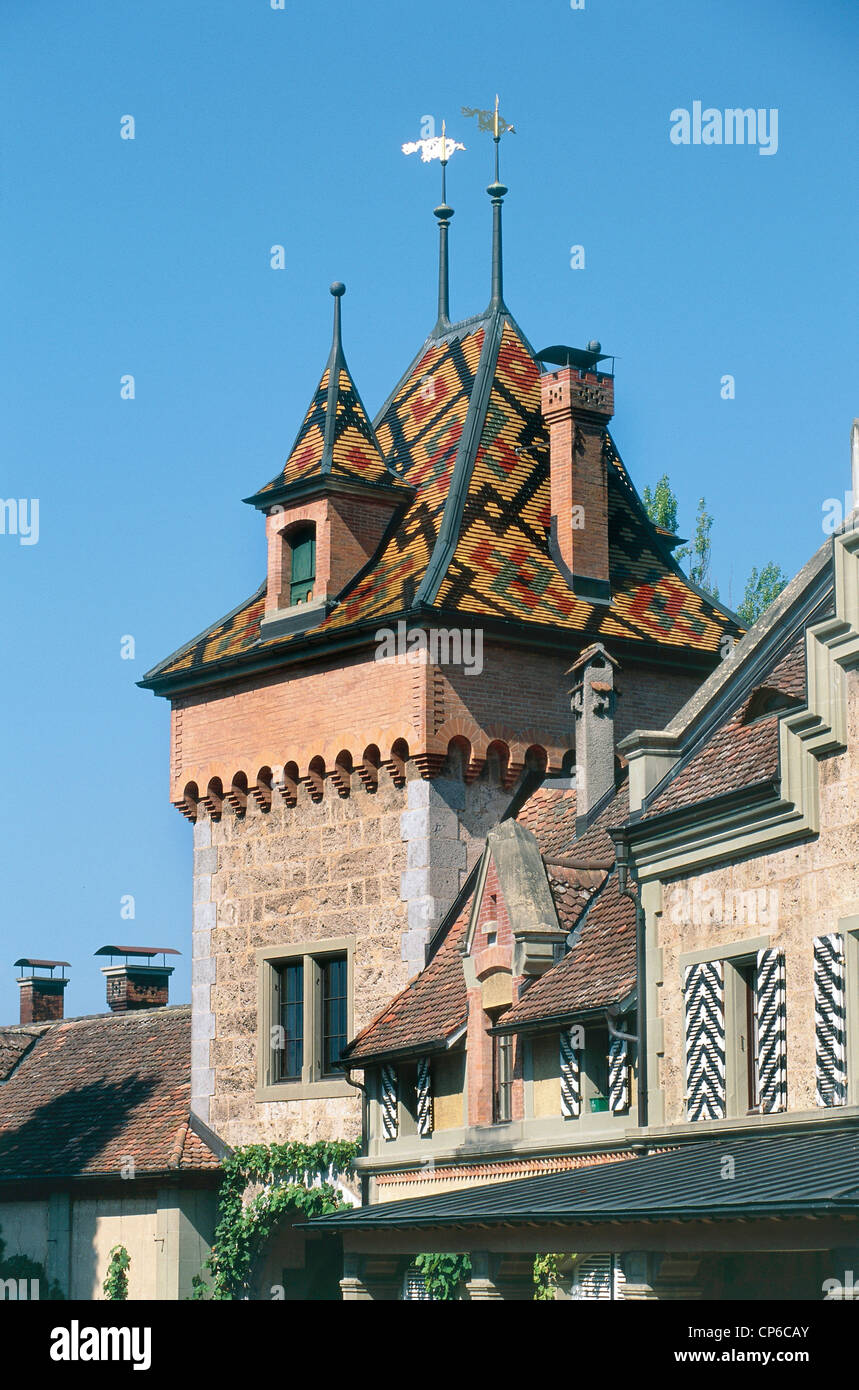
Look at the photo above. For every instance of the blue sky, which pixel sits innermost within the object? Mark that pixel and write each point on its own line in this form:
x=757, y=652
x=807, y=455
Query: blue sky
x=257, y=127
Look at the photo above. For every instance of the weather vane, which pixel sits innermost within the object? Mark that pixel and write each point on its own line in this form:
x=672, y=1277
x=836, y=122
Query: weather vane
x=439, y=147
x=490, y=120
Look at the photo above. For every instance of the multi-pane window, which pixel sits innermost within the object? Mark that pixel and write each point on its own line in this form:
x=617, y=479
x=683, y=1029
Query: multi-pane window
x=290, y=1056
x=334, y=1012
x=310, y=1016
x=302, y=573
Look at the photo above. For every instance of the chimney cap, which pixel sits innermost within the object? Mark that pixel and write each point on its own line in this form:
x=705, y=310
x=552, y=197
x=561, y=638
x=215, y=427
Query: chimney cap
x=585, y=657
x=41, y=964
x=584, y=358
x=146, y=951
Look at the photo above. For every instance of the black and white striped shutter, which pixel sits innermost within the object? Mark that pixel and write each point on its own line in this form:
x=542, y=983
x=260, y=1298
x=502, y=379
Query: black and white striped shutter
x=704, y=988
x=571, y=1092
x=424, y=1088
x=618, y=1073
x=390, y=1117
x=770, y=1032
x=830, y=1020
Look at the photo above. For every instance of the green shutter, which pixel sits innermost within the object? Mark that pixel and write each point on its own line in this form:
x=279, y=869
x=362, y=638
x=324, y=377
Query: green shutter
x=303, y=570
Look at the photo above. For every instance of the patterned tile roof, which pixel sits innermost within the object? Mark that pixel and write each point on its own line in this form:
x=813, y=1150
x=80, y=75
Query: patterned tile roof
x=744, y=750
x=598, y=970
x=90, y=1093
x=335, y=438
x=464, y=429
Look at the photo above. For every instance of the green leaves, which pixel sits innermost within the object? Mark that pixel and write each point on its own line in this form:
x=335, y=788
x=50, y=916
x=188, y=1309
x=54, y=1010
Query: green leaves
x=115, y=1286
x=284, y=1172
x=761, y=589
x=661, y=504
x=443, y=1274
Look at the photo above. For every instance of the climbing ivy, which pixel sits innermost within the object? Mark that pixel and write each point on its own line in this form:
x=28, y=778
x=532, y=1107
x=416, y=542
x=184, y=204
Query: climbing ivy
x=22, y=1267
x=115, y=1286
x=443, y=1274
x=293, y=1177
x=546, y=1276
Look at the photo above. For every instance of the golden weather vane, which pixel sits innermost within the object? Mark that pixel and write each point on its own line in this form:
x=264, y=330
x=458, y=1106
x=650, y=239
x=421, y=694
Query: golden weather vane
x=491, y=121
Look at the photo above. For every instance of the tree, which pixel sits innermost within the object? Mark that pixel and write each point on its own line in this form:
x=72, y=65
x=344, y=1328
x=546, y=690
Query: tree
x=700, y=570
x=661, y=505
x=761, y=589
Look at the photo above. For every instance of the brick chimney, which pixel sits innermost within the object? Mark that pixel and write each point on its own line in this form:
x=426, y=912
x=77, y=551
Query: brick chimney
x=41, y=995
x=577, y=404
x=594, y=696
x=139, y=982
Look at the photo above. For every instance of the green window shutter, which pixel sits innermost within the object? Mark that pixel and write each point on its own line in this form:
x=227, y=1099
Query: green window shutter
x=303, y=568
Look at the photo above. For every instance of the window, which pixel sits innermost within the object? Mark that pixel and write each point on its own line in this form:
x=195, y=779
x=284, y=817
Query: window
x=302, y=568
x=289, y=1058
x=305, y=1017
x=502, y=1077
x=334, y=1035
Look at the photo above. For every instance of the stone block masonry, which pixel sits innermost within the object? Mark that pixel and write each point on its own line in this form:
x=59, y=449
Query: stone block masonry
x=378, y=867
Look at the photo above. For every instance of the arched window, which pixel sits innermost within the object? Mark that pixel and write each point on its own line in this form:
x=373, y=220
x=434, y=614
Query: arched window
x=302, y=568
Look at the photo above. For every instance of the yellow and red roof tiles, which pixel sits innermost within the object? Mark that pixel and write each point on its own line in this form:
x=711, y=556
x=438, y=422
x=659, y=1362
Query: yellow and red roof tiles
x=499, y=565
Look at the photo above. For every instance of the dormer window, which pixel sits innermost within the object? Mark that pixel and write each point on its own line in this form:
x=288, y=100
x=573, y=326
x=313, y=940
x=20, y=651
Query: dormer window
x=302, y=564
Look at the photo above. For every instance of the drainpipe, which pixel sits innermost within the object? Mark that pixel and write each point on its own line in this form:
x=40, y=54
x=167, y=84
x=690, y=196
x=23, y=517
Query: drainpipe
x=625, y=884
x=365, y=1121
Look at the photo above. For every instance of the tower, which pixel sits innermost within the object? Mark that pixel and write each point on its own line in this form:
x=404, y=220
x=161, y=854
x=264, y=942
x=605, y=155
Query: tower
x=344, y=739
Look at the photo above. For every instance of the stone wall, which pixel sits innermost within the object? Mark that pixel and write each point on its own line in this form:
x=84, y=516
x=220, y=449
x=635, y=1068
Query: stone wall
x=791, y=895
x=381, y=867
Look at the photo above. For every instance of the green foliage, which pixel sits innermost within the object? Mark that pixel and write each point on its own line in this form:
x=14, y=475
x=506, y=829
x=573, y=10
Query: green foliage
x=700, y=570
x=546, y=1275
x=284, y=1172
x=115, y=1286
x=22, y=1267
x=661, y=504
x=443, y=1274
x=761, y=589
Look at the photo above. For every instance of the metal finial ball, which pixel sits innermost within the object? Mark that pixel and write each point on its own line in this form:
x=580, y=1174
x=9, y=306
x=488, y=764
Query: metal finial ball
x=338, y=289
x=593, y=345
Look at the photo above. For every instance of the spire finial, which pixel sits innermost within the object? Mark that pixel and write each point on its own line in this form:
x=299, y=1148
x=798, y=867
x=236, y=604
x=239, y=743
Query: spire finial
x=444, y=213
x=494, y=122
x=337, y=289
x=439, y=147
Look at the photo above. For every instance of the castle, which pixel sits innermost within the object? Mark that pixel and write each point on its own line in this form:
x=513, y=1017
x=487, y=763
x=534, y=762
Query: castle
x=339, y=801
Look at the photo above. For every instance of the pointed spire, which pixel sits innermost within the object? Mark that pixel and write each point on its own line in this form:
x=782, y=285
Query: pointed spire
x=336, y=440
x=496, y=191
x=338, y=289
x=444, y=213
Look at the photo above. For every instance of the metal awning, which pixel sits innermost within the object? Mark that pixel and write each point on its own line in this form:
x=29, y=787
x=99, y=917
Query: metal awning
x=802, y=1173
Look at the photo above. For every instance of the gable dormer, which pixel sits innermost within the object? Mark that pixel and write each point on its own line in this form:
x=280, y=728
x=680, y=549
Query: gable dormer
x=329, y=507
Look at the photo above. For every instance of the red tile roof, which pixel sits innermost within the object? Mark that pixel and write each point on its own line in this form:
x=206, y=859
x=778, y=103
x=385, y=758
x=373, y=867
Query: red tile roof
x=92, y=1093
x=427, y=1012
x=598, y=970
x=739, y=753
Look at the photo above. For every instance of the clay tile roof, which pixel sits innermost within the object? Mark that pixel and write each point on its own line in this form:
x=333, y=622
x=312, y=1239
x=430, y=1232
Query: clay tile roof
x=550, y=814
x=90, y=1093
x=598, y=970
x=491, y=560
x=741, y=752
x=427, y=1012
